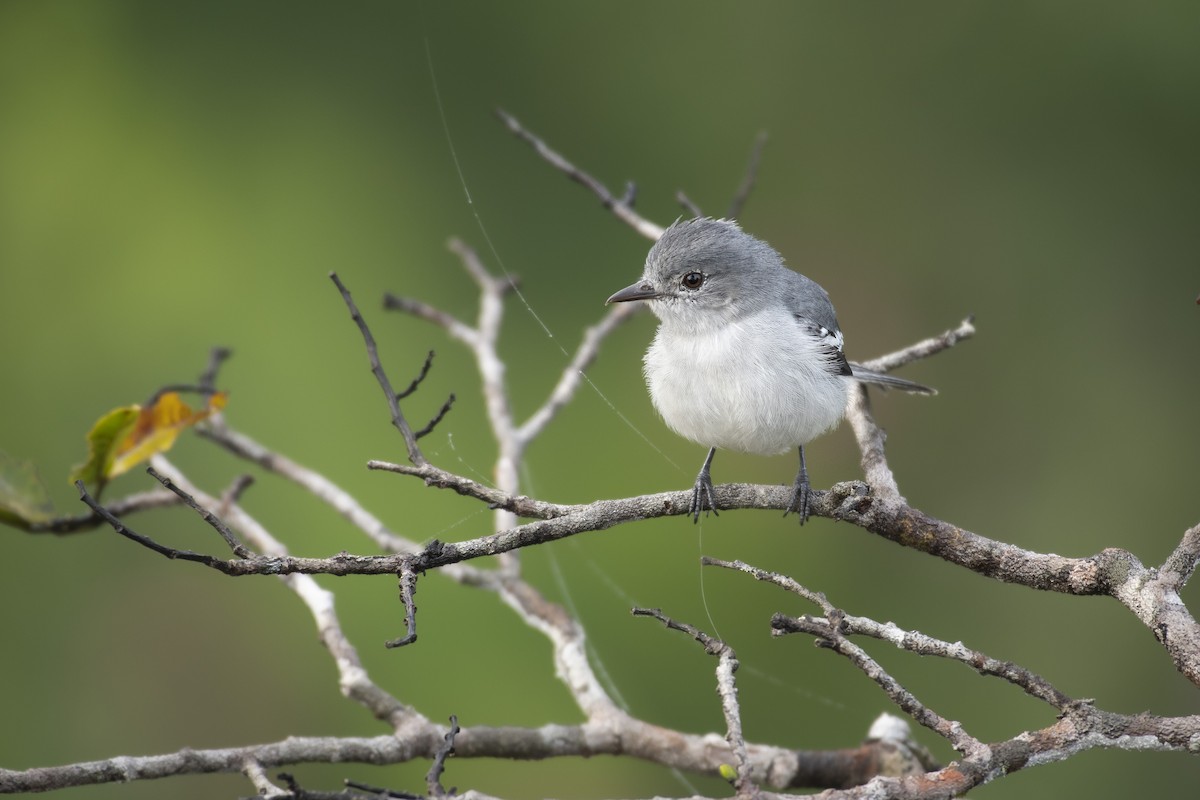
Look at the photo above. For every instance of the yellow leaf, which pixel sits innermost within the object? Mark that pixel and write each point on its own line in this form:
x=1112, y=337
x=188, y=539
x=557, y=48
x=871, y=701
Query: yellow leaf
x=126, y=436
x=157, y=427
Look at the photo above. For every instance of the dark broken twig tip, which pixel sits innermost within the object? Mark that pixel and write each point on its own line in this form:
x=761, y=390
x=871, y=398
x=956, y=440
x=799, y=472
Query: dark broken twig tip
x=747, y=186
x=445, y=409
x=433, y=779
x=401, y=424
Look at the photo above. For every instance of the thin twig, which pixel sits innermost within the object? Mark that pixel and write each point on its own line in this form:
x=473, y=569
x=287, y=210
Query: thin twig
x=912, y=641
x=575, y=372
x=433, y=779
x=727, y=665
x=829, y=634
x=870, y=437
x=925, y=348
x=145, y=541
x=235, y=491
x=748, y=180
x=216, y=357
x=687, y=204
x=140, y=501
x=353, y=678
x=312, y=482
x=412, y=387
x=441, y=412
x=629, y=198
x=379, y=791
x=254, y=771
x=410, y=441
x=408, y=591
x=188, y=388
x=623, y=210
x=240, y=550
x=456, y=328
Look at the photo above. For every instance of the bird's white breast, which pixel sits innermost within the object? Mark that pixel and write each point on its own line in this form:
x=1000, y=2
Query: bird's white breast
x=758, y=384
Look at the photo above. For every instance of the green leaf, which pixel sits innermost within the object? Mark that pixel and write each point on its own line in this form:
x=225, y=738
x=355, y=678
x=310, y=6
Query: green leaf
x=24, y=501
x=103, y=440
x=127, y=436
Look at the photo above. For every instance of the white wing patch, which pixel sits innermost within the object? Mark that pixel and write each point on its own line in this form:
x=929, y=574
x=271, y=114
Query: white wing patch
x=832, y=338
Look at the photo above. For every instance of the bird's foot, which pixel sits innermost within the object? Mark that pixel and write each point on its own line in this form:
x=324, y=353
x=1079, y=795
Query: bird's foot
x=801, y=498
x=704, y=497
x=801, y=494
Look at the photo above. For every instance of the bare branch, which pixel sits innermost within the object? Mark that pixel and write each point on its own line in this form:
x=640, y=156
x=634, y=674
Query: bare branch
x=145, y=541
x=1180, y=565
x=457, y=329
x=313, y=482
x=727, y=665
x=240, y=550
x=374, y=793
x=131, y=504
x=623, y=211
x=912, y=641
x=488, y=283
x=687, y=205
x=520, y=505
x=387, y=749
x=441, y=412
x=410, y=441
x=216, y=357
x=1113, y=572
x=925, y=348
x=236, y=489
x=774, y=766
x=574, y=373
x=433, y=780
x=412, y=387
x=629, y=198
x=830, y=634
x=253, y=770
x=408, y=590
x=870, y=436
x=353, y=679
x=748, y=180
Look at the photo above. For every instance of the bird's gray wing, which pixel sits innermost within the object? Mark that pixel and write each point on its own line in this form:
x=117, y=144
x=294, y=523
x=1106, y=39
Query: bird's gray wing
x=829, y=345
x=812, y=309
x=805, y=298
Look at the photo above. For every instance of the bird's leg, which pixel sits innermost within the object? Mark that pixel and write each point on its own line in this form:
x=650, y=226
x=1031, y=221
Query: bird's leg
x=703, y=498
x=801, y=492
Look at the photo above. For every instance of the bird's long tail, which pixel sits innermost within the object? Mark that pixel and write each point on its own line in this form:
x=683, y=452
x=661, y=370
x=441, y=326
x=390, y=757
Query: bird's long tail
x=861, y=373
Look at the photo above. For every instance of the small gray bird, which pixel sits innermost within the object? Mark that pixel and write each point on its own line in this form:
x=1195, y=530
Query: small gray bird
x=748, y=355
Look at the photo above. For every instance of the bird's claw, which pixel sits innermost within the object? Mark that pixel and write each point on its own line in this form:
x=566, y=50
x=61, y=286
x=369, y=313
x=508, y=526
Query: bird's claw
x=801, y=493
x=703, y=496
x=801, y=504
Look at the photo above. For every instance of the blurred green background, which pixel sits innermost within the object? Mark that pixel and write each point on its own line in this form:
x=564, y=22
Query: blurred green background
x=175, y=176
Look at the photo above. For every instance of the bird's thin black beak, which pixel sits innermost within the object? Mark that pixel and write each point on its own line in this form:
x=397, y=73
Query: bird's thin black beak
x=641, y=290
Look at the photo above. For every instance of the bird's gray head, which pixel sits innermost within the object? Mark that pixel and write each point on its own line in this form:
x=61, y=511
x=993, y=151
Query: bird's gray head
x=706, y=272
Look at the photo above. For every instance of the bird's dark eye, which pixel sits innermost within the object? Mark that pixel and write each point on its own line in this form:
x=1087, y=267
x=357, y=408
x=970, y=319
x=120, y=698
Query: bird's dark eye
x=693, y=280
